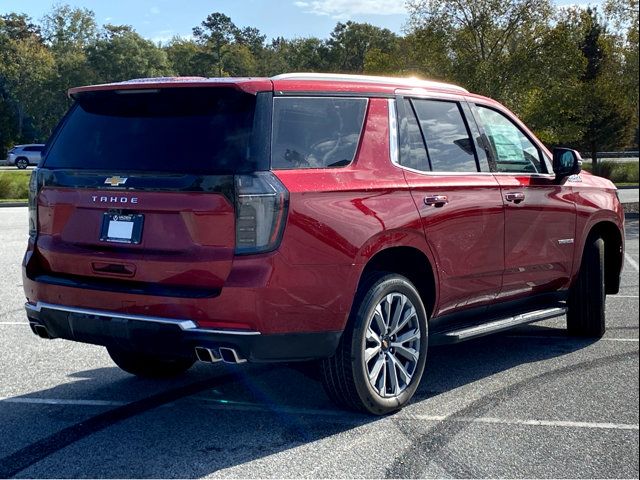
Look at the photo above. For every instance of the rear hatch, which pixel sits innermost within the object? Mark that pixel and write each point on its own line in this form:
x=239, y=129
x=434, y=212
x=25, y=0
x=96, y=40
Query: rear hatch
x=138, y=189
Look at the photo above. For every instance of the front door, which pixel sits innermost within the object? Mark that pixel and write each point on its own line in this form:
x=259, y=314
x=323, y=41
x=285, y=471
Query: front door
x=540, y=216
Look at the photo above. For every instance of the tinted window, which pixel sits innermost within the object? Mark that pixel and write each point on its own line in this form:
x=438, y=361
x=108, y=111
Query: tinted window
x=413, y=153
x=510, y=148
x=33, y=149
x=449, y=146
x=316, y=132
x=188, y=130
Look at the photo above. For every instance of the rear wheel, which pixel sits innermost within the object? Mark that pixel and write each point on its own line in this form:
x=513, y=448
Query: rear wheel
x=381, y=357
x=586, y=315
x=145, y=365
x=22, y=163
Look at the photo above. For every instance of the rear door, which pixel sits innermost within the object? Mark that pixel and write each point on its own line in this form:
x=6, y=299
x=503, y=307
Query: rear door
x=138, y=189
x=540, y=216
x=459, y=200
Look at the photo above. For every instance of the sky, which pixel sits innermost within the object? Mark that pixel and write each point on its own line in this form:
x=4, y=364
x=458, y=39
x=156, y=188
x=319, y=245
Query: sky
x=159, y=20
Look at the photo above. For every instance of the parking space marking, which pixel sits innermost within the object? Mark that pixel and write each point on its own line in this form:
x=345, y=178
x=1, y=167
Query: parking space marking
x=606, y=339
x=14, y=323
x=631, y=261
x=350, y=418
x=622, y=296
x=62, y=401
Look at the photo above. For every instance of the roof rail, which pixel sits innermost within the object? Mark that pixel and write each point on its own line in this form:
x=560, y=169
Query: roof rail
x=402, y=82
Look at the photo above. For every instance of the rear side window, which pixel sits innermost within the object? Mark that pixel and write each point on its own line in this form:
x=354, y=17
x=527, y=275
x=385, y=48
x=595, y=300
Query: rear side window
x=316, y=132
x=413, y=153
x=33, y=149
x=449, y=145
x=182, y=130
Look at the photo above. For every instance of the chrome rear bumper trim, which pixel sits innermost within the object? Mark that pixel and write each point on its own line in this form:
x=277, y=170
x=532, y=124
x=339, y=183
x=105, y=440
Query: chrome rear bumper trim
x=186, y=325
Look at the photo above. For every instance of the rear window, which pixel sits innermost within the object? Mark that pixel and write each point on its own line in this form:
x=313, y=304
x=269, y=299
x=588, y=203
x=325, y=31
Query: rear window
x=316, y=132
x=186, y=130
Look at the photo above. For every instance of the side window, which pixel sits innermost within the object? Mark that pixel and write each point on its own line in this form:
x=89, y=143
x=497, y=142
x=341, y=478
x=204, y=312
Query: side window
x=316, y=132
x=511, y=149
x=449, y=145
x=413, y=153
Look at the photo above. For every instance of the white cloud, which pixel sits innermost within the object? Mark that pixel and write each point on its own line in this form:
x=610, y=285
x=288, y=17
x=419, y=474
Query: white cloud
x=162, y=36
x=154, y=10
x=343, y=9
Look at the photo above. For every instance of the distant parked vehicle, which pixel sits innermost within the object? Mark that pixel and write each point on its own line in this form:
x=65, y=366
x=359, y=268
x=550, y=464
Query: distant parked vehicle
x=24, y=155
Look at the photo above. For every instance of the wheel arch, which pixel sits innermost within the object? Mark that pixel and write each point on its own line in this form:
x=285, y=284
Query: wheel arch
x=410, y=262
x=613, y=252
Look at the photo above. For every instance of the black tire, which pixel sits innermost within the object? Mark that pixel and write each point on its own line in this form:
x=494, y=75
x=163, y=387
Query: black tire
x=345, y=375
x=586, y=315
x=22, y=163
x=149, y=366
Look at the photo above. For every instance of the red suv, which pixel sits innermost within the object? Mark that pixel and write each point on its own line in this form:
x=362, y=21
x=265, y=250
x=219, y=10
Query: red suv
x=352, y=220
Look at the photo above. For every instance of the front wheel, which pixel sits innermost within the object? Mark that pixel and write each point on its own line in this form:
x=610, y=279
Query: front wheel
x=151, y=366
x=587, y=297
x=381, y=357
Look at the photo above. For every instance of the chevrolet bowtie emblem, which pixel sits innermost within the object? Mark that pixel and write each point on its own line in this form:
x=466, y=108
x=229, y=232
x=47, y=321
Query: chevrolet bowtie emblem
x=115, y=181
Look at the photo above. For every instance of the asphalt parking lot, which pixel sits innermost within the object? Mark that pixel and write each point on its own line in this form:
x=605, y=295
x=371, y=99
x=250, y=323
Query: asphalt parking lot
x=528, y=403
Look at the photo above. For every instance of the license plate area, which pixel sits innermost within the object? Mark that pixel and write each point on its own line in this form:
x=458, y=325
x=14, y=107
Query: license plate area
x=121, y=228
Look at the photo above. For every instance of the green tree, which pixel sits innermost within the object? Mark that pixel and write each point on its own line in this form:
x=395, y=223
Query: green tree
x=217, y=31
x=189, y=58
x=121, y=54
x=349, y=43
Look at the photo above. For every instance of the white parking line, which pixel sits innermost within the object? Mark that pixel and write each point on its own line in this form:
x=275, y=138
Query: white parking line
x=255, y=407
x=537, y=423
x=622, y=296
x=573, y=338
x=61, y=401
x=631, y=261
x=242, y=406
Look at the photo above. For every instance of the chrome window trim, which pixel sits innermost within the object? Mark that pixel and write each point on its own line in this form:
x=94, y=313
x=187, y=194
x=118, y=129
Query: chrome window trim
x=184, y=324
x=394, y=145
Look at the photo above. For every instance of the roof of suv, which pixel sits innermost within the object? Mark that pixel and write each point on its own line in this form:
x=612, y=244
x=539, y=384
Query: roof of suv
x=289, y=82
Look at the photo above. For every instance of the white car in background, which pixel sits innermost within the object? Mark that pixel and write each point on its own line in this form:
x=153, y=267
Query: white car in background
x=24, y=155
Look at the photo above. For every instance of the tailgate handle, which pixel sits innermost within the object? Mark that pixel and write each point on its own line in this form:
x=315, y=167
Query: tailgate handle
x=114, y=268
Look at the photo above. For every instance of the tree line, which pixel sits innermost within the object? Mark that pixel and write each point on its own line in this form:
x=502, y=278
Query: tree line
x=570, y=73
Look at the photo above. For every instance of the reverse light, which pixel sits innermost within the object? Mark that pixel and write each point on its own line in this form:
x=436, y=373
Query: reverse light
x=261, y=210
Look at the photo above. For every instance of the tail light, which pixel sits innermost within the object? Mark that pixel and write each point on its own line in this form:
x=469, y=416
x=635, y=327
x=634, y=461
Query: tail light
x=34, y=189
x=261, y=210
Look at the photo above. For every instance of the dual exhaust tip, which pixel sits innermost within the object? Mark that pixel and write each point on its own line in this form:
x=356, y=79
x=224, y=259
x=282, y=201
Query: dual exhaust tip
x=224, y=354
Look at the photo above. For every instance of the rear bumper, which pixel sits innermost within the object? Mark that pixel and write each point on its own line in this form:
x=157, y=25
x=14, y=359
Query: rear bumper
x=170, y=336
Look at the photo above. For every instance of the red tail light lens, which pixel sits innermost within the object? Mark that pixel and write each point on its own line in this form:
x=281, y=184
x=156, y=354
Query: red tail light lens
x=34, y=189
x=261, y=210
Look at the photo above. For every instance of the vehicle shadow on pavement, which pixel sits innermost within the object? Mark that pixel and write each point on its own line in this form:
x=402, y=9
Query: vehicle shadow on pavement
x=221, y=417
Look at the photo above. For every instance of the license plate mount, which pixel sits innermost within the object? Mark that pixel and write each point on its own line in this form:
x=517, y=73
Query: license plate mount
x=122, y=228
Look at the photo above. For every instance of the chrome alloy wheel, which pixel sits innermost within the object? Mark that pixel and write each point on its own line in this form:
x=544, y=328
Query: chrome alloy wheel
x=392, y=345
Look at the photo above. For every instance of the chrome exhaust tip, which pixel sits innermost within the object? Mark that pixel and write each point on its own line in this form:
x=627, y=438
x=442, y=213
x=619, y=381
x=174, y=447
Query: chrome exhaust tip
x=207, y=355
x=229, y=355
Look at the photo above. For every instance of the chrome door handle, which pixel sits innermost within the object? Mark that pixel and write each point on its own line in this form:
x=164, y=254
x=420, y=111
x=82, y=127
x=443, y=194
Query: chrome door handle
x=515, y=197
x=436, y=200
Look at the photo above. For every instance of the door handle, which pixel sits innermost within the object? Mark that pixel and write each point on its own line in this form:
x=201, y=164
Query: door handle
x=436, y=200
x=515, y=197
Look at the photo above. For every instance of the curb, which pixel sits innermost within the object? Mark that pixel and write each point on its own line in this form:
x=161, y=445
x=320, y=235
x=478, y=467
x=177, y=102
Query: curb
x=13, y=204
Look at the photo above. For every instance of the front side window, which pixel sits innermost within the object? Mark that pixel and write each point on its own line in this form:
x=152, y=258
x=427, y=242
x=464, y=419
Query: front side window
x=316, y=132
x=510, y=148
x=449, y=145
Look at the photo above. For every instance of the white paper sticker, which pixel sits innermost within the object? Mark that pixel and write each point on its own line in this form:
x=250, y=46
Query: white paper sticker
x=120, y=230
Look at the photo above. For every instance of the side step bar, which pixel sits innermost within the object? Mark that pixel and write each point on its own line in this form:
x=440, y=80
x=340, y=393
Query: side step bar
x=495, y=326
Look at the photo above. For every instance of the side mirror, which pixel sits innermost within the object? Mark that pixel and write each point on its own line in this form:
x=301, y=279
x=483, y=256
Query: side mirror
x=566, y=162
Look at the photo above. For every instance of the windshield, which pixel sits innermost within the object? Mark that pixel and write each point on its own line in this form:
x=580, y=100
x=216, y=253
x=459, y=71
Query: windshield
x=182, y=130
